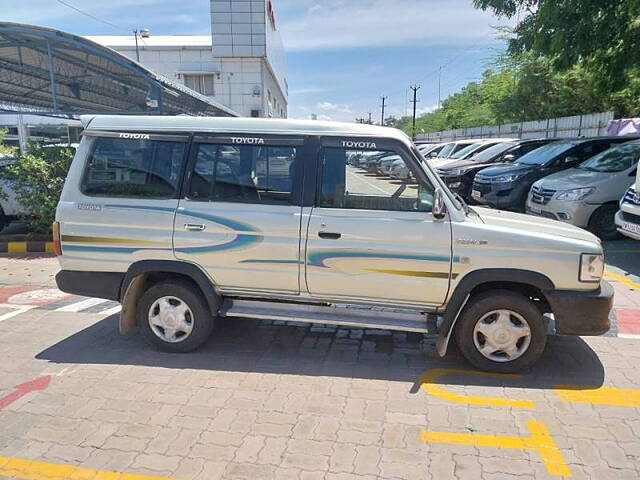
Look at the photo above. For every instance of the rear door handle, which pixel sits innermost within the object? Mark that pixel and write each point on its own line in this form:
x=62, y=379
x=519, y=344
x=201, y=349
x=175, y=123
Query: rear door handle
x=329, y=235
x=195, y=227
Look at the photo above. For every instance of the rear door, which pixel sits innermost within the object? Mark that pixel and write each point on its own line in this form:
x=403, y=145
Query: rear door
x=373, y=238
x=240, y=214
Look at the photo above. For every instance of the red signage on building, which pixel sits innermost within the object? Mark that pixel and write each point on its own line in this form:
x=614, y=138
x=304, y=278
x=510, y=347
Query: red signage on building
x=271, y=14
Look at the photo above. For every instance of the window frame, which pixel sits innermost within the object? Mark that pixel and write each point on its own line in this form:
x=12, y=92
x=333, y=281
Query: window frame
x=381, y=144
x=299, y=142
x=94, y=135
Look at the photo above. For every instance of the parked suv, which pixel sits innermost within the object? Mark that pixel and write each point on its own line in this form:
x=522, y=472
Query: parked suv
x=587, y=196
x=459, y=175
x=188, y=219
x=506, y=187
x=628, y=217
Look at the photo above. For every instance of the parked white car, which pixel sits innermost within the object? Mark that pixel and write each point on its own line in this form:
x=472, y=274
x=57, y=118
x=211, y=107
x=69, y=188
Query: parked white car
x=628, y=217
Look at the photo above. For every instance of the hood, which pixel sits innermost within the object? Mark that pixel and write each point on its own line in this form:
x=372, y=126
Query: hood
x=533, y=225
x=577, y=178
x=441, y=162
x=507, y=168
x=457, y=164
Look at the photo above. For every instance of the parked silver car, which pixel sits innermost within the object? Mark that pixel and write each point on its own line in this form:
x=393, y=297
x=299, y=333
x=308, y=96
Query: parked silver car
x=587, y=196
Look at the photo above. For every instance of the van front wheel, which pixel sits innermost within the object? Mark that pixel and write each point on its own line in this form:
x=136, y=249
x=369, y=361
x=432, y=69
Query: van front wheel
x=501, y=332
x=173, y=317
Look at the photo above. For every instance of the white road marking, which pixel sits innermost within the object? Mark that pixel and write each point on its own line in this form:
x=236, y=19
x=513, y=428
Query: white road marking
x=18, y=309
x=635, y=336
x=111, y=311
x=78, y=306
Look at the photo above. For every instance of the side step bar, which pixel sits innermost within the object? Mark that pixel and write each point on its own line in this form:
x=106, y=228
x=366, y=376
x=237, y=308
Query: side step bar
x=340, y=315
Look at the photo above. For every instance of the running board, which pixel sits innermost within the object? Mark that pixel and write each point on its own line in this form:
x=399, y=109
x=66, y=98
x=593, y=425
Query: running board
x=340, y=315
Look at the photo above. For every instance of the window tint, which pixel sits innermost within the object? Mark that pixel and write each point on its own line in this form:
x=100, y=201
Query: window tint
x=373, y=185
x=119, y=167
x=616, y=159
x=245, y=174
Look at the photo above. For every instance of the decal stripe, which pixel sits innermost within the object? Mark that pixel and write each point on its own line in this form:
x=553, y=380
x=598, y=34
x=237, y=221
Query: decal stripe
x=109, y=240
x=318, y=258
x=88, y=248
x=412, y=273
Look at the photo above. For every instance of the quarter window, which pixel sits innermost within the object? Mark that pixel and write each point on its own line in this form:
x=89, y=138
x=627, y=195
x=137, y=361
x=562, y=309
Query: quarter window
x=244, y=174
x=120, y=167
x=371, y=180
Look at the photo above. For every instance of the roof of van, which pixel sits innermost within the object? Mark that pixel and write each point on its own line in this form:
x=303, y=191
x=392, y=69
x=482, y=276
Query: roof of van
x=235, y=125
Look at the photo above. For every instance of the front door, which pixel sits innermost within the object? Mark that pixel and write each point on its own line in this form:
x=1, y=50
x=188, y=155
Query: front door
x=241, y=212
x=372, y=237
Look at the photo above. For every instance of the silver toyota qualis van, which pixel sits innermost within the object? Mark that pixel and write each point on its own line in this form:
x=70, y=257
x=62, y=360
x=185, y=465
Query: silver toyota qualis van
x=185, y=220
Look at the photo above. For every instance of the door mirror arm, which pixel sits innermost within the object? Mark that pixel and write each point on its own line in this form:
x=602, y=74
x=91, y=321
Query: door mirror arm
x=439, y=210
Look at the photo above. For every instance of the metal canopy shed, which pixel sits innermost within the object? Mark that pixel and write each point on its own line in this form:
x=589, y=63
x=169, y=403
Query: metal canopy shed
x=49, y=72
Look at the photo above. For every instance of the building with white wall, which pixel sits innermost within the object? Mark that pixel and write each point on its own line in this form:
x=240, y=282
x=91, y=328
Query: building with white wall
x=242, y=64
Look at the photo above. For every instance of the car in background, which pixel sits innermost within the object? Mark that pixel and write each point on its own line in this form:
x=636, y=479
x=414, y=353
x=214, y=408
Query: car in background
x=587, y=196
x=507, y=186
x=628, y=217
x=431, y=151
x=468, y=151
x=453, y=147
x=385, y=164
x=459, y=175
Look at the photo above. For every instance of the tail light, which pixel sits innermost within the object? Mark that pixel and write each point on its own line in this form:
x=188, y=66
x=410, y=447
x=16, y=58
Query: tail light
x=57, y=245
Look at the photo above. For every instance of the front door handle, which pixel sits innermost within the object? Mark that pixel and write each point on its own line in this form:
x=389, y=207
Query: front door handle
x=329, y=235
x=194, y=227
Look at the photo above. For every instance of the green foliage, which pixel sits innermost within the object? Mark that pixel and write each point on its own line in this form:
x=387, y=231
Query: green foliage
x=563, y=58
x=38, y=178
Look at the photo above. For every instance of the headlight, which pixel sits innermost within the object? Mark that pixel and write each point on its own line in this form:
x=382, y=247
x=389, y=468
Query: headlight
x=591, y=267
x=507, y=178
x=576, y=194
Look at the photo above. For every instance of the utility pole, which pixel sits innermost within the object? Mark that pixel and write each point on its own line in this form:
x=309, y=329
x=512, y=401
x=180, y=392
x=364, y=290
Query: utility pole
x=135, y=35
x=439, y=78
x=370, y=122
x=415, y=89
x=384, y=99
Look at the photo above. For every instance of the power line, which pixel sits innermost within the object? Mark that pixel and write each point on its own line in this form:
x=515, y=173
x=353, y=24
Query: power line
x=82, y=12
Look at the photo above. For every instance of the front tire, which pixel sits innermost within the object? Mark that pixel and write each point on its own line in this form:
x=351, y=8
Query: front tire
x=602, y=222
x=501, y=332
x=174, y=317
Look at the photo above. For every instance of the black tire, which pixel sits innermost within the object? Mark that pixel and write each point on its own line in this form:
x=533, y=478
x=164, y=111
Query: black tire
x=602, y=222
x=484, y=303
x=202, y=320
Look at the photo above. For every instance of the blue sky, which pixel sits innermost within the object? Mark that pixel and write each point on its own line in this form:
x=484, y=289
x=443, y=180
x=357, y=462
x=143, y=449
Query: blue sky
x=342, y=54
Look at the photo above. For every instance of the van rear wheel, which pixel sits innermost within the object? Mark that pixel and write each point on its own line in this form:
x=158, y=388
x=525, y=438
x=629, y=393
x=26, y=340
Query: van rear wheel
x=501, y=331
x=174, y=317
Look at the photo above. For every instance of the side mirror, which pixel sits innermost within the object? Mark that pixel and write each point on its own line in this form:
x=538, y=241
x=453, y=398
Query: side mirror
x=509, y=157
x=439, y=208
x=433, y=154
x=571, y=159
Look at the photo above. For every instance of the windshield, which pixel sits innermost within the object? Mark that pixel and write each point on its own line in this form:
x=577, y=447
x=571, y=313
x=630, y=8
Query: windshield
x=616, y=159
x=545, y=154
x=466, y=150
x=446, y=150
x=492, y=152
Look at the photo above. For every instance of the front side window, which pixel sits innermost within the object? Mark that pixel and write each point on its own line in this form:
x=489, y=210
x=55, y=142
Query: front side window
x=616, y=159
x=546, y=153
x=243, y=174
x=347, y=185
x=135, y=168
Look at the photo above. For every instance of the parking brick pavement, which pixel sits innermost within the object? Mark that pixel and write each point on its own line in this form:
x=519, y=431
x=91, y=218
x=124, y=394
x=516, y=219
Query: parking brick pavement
x=288, y=401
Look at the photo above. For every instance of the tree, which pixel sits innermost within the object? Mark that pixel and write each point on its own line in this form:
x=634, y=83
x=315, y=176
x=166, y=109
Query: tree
x=37, y=178
x=603, y=37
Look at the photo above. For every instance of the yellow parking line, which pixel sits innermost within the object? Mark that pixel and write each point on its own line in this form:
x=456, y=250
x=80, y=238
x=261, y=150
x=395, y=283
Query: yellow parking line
x=33, y=470
x=622, y=279
x=620, y=397
x=428, y=384
x=17, y=247
x=540, y=441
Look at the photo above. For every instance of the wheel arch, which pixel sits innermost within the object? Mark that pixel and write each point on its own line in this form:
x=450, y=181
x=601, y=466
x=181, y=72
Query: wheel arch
x=144, y=273
x=526, y=282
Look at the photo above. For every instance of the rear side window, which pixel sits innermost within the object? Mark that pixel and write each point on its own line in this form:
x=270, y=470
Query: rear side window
x=244, y=174
x=134, y=168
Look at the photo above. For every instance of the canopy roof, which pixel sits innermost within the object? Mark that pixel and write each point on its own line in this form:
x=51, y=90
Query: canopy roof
x=46, y=71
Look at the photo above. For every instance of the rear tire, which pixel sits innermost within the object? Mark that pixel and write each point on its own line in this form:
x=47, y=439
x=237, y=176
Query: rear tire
x=602, y=222
x=174, y=317
x=501, y=331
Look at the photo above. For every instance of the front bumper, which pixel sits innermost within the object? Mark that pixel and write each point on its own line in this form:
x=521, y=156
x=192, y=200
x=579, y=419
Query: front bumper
x=503, y=196
x=621, y=221
x=574, y=213
x=582, y=313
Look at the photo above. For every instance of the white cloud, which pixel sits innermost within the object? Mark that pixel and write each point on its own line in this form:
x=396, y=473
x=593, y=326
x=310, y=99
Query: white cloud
x=339, y=24
x=332, y=107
